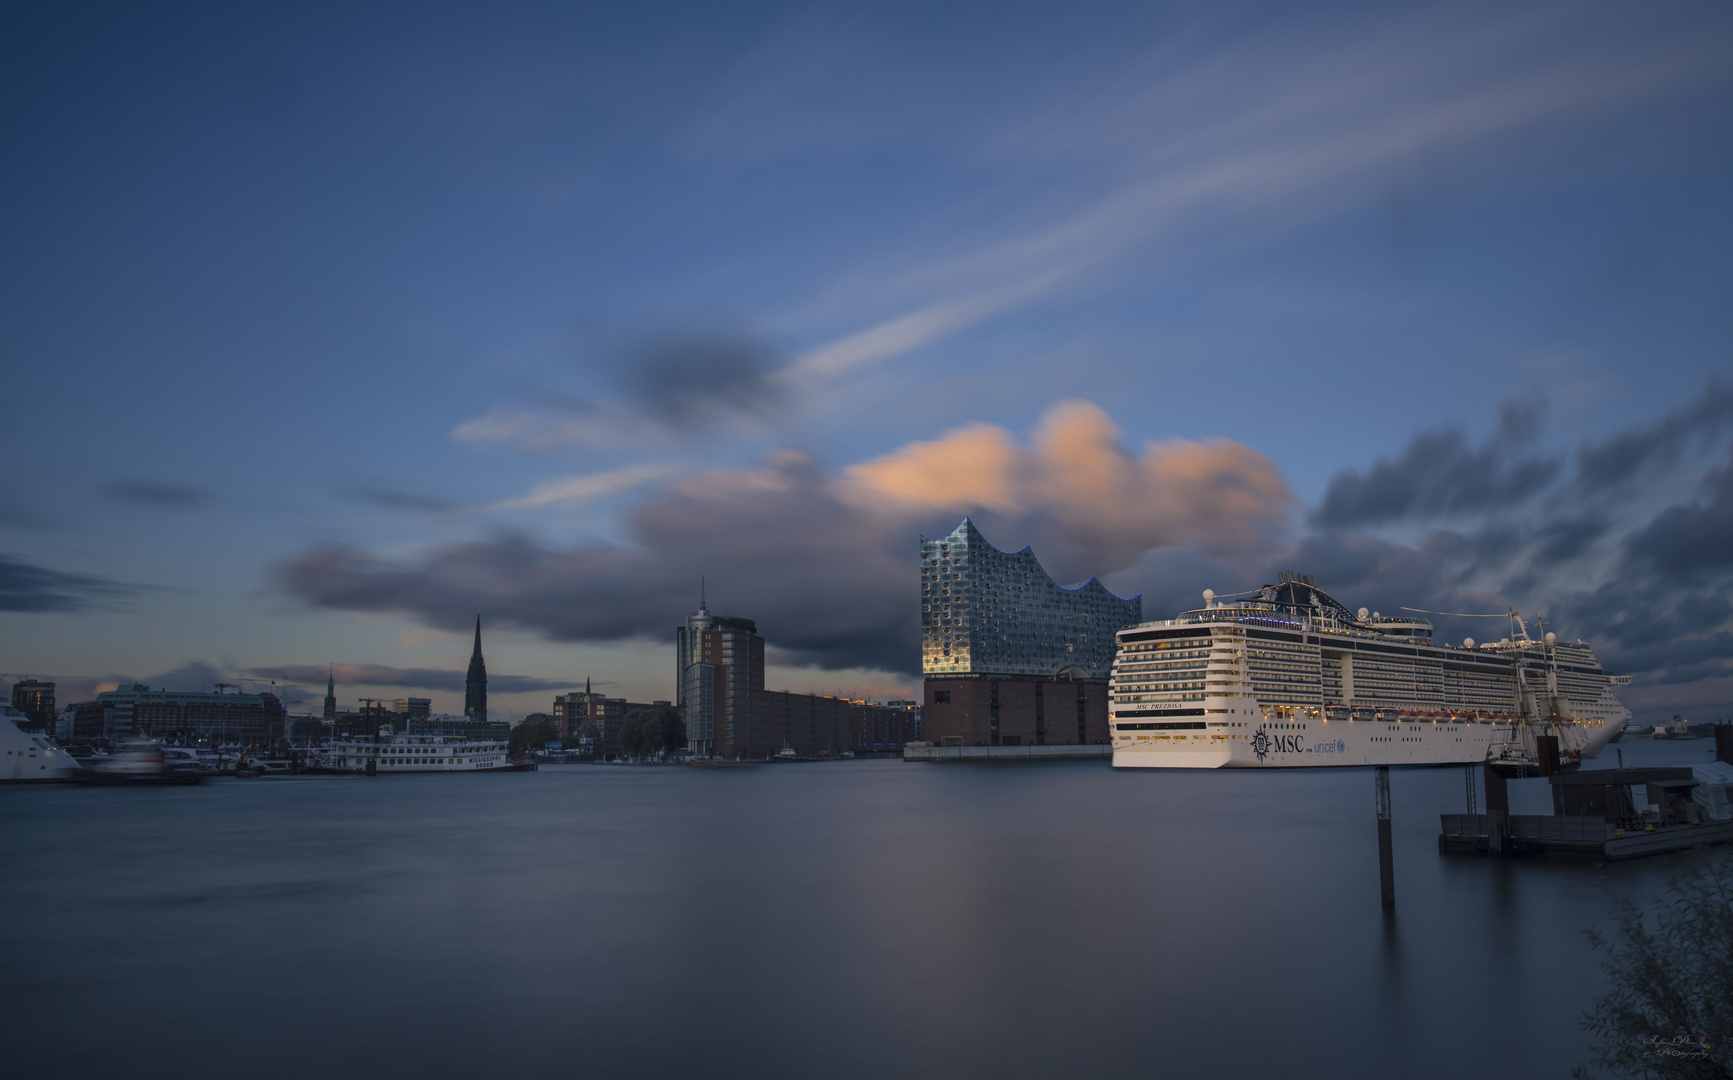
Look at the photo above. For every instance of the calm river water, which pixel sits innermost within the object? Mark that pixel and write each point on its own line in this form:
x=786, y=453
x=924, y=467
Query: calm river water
x=855, y=919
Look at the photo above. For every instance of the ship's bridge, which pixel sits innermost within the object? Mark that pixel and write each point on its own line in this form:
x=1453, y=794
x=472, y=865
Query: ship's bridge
x=1297, y=597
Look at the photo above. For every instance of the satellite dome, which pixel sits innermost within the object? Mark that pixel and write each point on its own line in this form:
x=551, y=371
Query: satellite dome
x=1209, y=597
x=1551, y=637
x=1375, y=615
x=1468, y=643
x=1363, y=613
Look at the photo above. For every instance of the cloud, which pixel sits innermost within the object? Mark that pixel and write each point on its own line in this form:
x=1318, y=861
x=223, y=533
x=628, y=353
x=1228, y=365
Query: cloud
x=193, y=676
x=156, y=494
x=1439, y=474
x=393, y=499
x=824, y=560
x=348, y=675
x=681, y=385
x=27, y=587
x=578, y=489
x=1692, y=541
x=1618, y=460
x=1275, y=130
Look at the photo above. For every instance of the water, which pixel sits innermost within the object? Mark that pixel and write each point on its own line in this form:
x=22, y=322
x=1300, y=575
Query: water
x=856, y=919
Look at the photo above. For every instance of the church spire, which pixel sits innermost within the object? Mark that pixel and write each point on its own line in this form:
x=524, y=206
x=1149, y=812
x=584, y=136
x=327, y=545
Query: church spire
x=475, y=684
x=330, y=692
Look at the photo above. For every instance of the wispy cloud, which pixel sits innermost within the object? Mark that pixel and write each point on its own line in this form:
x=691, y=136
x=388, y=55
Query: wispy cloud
x=1269, y=134
x=28, y=587
x=577, y=489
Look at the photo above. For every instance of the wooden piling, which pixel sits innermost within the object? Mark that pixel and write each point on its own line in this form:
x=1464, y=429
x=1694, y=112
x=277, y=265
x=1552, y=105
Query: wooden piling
x=1497, y=812
x=1386, y=867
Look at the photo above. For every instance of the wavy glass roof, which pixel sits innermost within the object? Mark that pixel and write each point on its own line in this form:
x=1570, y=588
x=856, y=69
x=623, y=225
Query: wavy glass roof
x=986, y=611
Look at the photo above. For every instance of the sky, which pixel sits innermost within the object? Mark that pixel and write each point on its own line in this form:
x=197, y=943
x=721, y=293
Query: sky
x=327, y=327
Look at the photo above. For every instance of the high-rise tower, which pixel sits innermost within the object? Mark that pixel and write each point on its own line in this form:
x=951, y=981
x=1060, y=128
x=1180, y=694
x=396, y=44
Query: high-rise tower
x=475, y=686
x=330, y=694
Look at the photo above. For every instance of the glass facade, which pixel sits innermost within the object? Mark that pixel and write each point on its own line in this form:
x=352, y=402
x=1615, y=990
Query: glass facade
x=991, y=612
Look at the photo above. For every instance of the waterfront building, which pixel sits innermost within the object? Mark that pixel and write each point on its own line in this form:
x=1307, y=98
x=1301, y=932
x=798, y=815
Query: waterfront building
x=133, y=709
x=35, y=699
x=719, y=665
x=604, y=716
x=475, y=683
x=1011, y=657
x=729, y=714
x=884, y=726
x=412, y=707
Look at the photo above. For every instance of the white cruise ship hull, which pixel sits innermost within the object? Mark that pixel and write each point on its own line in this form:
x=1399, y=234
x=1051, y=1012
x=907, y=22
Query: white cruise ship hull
x=1312, y=744
x=1296, y=680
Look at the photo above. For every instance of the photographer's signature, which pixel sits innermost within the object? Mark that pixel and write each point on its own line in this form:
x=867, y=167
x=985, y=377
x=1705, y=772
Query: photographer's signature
x=1679, y=1046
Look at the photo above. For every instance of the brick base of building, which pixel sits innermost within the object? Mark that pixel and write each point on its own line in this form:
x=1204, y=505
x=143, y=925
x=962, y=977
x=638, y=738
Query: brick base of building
x=1014, y=710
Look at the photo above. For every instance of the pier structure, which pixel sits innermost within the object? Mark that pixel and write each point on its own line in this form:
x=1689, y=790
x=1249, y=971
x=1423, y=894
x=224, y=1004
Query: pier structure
x=1596, y=813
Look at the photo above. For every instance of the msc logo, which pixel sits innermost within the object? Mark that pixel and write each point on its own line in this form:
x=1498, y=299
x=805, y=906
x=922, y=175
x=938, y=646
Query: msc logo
x=1264, y=744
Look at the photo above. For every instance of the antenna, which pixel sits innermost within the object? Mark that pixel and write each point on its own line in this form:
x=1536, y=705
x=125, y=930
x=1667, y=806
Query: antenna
x=701, y=600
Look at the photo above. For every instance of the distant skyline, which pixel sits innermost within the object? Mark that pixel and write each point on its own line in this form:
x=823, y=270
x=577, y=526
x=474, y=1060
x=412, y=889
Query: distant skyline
x=328, y=326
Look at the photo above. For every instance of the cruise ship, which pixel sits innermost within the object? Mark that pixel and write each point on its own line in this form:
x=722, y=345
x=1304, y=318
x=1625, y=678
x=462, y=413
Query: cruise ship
x=1289, y=676
x=392, y=754
x=30, y=757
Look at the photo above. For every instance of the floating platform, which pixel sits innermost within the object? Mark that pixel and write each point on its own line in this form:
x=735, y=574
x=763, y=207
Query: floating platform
x=987, y=754
x=1595, y=814
x=1534, y=834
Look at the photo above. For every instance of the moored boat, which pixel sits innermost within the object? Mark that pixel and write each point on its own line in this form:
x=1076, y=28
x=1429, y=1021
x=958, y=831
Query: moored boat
x=1291, y=677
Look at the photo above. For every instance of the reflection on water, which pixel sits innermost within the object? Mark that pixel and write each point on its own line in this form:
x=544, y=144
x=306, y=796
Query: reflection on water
x=849, y=919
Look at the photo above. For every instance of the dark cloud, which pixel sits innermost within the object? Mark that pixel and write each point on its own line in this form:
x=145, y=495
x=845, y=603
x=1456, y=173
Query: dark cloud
x=153, y=493
x=193, y=676
x=393, y=499
x=827, y=582
x=1620, y=459
x=1691, y=541
x=1440, y=474
x=27, y=587
x=408, y=678
x=697, y=379
x=825, y=562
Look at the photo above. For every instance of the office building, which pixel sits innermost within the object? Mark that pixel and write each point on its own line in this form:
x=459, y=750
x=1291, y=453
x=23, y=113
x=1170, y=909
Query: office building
x=729, y=714
x=35, y=700
x=719, y=661
x=134, y=709
x=1010, y=657
x=412, y=707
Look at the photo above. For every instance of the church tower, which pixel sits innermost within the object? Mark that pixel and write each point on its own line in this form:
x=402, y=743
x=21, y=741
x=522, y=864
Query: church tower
x=475, y=686
x=330, y=694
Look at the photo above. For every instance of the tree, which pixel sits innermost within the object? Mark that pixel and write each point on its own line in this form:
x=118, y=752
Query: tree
x=647, y=732
x=532, y=735
x=1670, y=1010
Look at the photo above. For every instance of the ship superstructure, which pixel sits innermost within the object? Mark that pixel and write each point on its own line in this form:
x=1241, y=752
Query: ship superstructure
x=1289, y=676
x=390, y=754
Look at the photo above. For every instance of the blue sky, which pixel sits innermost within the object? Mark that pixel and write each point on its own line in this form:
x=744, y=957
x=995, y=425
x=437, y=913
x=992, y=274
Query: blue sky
x=328, y=325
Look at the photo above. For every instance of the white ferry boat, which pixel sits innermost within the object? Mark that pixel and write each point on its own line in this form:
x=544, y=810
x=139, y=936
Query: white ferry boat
x=1292, y=677
x=30, y=757
x=392, y=754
